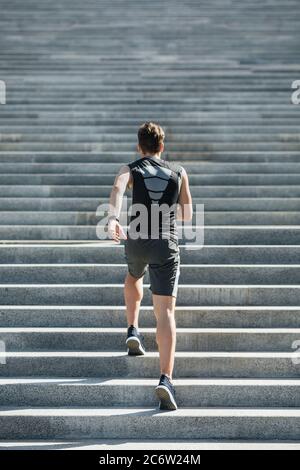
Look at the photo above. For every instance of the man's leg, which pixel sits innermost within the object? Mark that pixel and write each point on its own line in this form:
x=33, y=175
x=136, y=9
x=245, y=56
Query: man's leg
x=164, y=309
x=133, y=294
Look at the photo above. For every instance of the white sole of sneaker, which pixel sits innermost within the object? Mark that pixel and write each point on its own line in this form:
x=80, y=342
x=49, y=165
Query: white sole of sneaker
x=165, y=397
x=134, y=346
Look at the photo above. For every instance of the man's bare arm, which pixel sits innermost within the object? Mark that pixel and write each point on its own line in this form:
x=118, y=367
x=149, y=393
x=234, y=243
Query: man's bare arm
x=185, y=203
x=115, y=230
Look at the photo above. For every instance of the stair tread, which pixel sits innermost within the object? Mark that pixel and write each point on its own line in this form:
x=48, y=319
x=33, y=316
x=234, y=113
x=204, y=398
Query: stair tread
x=145, y=382
x=121, y=285
x=151, y=354
x=192, y=330
x=200, y=308
x=143, y=444
x=144, y=411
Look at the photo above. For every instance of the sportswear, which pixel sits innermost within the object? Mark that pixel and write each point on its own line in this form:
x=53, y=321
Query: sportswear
x=156, y=186
x=152, y=239
x=162, y=259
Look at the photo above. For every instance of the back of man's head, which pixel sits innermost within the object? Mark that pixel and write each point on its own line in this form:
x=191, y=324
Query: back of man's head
x=151, y=137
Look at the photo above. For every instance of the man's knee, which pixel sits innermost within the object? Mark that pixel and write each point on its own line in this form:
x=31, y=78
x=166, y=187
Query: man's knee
x=134, y=286
x=165, y=312
x=165, y=318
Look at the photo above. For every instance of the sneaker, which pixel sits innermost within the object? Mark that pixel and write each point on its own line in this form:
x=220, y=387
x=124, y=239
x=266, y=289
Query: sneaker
x=165, y=392
x=134, y=342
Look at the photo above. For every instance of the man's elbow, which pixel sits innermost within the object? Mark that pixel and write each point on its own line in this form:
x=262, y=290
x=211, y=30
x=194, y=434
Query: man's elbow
x=116, y=189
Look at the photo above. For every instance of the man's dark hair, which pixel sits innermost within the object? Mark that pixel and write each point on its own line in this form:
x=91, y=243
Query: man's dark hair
x=150, y=136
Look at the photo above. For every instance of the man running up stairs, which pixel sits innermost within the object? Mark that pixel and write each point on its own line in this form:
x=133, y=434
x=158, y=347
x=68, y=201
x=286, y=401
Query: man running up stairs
x=80, y=79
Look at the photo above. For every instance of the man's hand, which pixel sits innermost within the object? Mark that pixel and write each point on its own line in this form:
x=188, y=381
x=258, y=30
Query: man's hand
x=116, y=231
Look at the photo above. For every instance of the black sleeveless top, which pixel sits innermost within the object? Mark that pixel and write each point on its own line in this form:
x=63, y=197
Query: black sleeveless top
x=156, y=186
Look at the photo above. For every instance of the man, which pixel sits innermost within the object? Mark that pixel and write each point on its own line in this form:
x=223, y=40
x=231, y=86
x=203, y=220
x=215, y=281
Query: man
x=160, y=194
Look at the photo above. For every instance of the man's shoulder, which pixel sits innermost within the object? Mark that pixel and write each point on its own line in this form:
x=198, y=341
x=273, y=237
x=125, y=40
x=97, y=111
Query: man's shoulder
x=171, y=165
x=174, y=166
x=124, y=169
x=134, y=163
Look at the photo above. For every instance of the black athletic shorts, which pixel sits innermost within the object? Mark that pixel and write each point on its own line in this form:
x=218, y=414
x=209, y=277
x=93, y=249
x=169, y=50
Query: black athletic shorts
x=162, y=257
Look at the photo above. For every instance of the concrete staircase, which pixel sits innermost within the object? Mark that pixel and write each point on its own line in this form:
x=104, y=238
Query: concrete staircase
x=81, y=77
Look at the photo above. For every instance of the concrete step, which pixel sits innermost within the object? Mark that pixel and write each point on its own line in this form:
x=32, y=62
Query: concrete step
x=195, y=169
x=107, y=180
x=115, y=273
x=126, y=142
x=133, y=106
x=133, y=96
x=114, y=316
x=51, y=146
x=126, y=157
x=194, y=122
x=213, y=235
x=188, y=339
x=73, y=218
x=204, y=192
x=119, y=364
x=215, y=116
x=127, y=131
x=216, y=113
x=151, y=105
x=40, y=253
x=150, y=444
x=244, y=81
x=68, y=423
x=157, y=97
x=79, y=204
x=106, y=392
x=189, y=294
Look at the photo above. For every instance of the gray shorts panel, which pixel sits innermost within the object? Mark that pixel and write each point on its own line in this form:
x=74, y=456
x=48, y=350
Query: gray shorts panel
x=162, y=257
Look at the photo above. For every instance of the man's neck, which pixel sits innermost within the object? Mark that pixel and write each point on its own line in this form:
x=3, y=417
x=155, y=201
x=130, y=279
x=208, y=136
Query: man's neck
x=157, y=155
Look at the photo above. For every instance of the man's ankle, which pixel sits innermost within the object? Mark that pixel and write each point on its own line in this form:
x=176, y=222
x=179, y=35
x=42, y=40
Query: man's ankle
x=167, y=375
